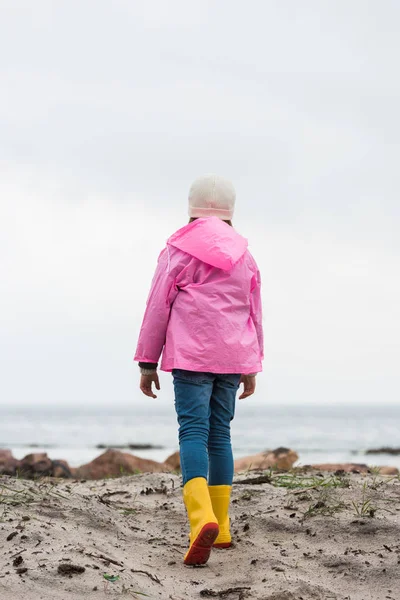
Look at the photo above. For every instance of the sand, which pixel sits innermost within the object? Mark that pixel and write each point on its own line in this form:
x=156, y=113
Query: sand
x=59, y=537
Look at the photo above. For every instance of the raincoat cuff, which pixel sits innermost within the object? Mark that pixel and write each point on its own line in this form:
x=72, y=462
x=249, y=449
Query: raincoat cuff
x=148, y=365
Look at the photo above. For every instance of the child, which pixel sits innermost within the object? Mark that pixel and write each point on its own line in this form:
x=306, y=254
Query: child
x=204, y=314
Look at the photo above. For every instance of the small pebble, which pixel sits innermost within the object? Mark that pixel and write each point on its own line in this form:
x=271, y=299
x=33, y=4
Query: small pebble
x=18, y=561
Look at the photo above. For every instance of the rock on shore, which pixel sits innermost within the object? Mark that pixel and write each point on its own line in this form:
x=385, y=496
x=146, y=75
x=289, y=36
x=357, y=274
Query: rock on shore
x=114, y=463
x=281, y=458
x=384, y=450
x=355, y=468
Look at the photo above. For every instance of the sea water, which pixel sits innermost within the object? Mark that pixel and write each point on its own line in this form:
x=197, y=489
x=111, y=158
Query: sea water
x=318, y=433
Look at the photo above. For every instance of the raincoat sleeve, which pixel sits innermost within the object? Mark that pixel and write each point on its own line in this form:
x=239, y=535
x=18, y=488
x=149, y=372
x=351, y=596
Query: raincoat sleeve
x=155, y=321
x=256, y=311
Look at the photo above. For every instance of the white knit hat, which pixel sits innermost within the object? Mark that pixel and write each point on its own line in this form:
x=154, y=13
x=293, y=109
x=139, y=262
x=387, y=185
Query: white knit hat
x=212, y=196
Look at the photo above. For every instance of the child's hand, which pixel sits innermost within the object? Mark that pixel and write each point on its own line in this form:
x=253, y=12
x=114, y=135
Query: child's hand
x=249, y=385
x=146, y=382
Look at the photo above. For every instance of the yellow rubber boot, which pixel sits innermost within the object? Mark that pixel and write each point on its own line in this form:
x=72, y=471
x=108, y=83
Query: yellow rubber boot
x=220, y=498
x=203, y=522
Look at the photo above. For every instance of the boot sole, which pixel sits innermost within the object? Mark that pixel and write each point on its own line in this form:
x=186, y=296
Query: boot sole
x=200, y=550
x=222, y=545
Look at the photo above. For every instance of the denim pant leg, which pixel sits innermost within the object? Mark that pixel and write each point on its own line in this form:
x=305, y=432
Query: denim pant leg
x=192, y=403
x=222, y=404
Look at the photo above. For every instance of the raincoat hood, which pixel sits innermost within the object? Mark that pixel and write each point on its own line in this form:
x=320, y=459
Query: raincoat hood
x=212, y=241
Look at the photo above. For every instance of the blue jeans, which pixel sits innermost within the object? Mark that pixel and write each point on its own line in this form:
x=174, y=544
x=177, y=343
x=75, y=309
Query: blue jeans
x=205, y=406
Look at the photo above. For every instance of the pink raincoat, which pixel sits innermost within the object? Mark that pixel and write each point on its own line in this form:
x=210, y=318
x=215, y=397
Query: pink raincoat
x=204, y=308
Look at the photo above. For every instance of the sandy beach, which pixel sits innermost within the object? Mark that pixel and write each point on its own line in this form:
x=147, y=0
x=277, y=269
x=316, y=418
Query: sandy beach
x=297, y=536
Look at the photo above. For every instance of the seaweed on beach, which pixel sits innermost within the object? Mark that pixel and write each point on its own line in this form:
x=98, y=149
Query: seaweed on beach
x=309, y=482
x=295, y=480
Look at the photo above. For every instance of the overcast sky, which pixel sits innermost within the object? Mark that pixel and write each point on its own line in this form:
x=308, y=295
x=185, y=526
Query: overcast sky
x=109, y=110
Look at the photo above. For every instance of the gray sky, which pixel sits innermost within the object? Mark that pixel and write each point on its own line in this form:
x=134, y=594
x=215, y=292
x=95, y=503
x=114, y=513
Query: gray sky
x=108, y=111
